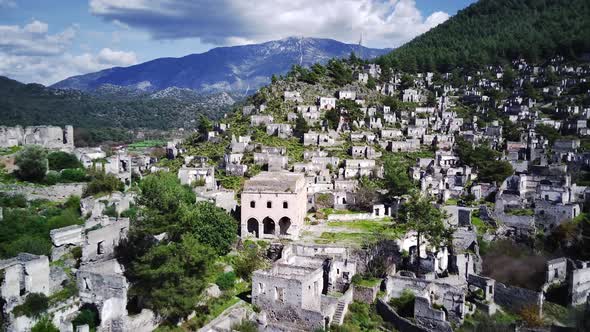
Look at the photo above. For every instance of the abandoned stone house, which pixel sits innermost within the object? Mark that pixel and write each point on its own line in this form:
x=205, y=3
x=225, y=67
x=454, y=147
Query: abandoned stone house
x=573, y=275
x=87, y=156
x=47, y=136
x=273, y=205
x=357, y=168
x=282, y=130
x=23, y=275
x=197, y=176
x=411, y=96
x=367, y=152
x=326, y=103
x=257, y=120
x=347, y=94
x=101, y=240
x=296, y=292
x=293, y=96
x=318, y=139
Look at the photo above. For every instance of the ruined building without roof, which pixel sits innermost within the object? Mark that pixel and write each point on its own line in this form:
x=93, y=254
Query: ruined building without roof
x=47, y=136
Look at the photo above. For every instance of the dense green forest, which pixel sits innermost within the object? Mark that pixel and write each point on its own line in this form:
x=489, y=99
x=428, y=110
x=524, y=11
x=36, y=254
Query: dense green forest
x=496, y=31
x=34, y=104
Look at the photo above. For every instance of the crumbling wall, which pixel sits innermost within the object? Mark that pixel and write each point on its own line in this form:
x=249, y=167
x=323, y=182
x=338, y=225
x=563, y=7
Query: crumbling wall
x=516, y=298
x=100, y=243
x=430, y=318
x=579, y=284
x=366, y=294
x=400, y=323
x=556, y=271
x=104, y=285
x=55, y=193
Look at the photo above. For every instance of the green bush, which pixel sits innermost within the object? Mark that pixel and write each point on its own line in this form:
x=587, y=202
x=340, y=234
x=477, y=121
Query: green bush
x=250, y=260
x=32, y=163
x=73, y=175
x=111, y=211
x=51, y=178
x=29, y=243
x=226, y=281
x=61, y=160
x=245, y=326
x=34, y=305
x=44, y=325
x=13, y=200
x=404, y=305
x=86, y=317
x=103, y=183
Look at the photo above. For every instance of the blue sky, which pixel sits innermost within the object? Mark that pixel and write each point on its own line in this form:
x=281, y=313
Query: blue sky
x=48, y=40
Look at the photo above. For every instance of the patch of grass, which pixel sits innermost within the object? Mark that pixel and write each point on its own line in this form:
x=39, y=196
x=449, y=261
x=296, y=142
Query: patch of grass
x=147, y=144
x=365, y=282
x=452, y=201
x=10, y=150
x=383, y=227
x=521, y=212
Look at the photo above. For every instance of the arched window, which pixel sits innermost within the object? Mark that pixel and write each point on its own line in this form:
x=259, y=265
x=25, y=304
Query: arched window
x=285, y=205
x=269, y=204
x=252, y=204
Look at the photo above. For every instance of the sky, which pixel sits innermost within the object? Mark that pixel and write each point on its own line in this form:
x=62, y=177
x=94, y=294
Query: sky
x=45, y=41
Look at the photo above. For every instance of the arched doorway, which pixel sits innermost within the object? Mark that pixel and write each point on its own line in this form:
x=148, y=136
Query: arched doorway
x=284, y=225
x=268, y=226
x=253, y=227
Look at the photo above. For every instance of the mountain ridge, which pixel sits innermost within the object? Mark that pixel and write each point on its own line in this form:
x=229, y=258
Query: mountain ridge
x=237, y=69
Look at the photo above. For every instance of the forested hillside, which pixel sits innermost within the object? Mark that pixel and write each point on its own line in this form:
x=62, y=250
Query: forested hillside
x=492, y=31
x=34, y=104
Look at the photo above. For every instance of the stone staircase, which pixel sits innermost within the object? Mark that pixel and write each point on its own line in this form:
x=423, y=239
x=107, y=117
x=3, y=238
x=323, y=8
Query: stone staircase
x=338, y=318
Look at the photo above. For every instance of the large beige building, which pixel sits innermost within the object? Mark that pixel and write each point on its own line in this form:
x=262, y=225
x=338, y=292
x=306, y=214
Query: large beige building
x=274, y=205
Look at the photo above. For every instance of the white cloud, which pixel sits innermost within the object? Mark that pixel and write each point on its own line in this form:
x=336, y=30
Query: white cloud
x=31, y=54
x=227, y=22
x=33, y=39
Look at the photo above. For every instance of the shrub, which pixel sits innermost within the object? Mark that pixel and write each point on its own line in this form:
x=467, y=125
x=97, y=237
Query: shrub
x=32, y=244
x=226, y=281
x=76, y=252
x=103, y=183
x=73, y=175
x=34, y=305
x=61, y=160
x=245, y=326
x=111, y=211
x=13, y=200
x=32, y=163
x=404, y=305
x=249, y=261
x=86, y=317
x=51, y=178
x=44, y=325
x=531, y=317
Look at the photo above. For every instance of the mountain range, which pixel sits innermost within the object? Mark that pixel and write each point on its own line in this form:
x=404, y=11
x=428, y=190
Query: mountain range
x=237, y=69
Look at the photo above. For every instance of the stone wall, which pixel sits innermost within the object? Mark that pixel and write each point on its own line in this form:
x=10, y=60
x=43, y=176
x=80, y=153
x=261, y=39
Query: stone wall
x=515, y=298
x=55, y=193
x=579, y=283
x=400, y=323
x=429, y=317
x=366, y=294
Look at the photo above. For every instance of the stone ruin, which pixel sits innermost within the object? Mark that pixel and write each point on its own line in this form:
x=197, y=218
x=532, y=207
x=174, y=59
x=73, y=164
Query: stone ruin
x=47, y=136
x=307, y=288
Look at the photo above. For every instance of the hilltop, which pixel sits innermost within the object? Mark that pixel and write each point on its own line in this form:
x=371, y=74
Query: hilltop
x=492, y=31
